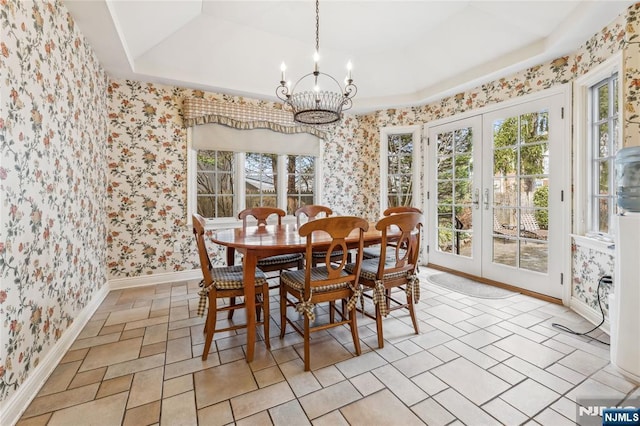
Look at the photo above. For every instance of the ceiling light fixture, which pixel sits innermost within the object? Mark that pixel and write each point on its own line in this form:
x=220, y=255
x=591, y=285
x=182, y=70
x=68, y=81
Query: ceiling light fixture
x=318, y=104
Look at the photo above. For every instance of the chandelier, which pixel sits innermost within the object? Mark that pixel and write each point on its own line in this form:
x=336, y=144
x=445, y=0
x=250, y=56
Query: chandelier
x=325, y=99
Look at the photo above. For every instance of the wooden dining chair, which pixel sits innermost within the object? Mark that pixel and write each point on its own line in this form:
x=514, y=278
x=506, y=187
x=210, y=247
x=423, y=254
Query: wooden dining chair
x=313, y=212
x=273, y=263
x=223, y=282
x=303, y=289
x=374, y=251
x=394, y=269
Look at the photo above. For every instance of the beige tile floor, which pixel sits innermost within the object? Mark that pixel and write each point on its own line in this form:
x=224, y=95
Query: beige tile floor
x=475, y=362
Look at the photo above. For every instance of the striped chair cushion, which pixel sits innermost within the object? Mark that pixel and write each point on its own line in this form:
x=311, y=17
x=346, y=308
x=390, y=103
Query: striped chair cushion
x=369, y=270
x=323, y=254
x=295, y=279
x=281, y=258
x=373, y=252
x=230, y=277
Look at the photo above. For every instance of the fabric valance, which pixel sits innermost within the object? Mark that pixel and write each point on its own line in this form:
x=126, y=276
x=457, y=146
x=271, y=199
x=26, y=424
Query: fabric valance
x=198, y=111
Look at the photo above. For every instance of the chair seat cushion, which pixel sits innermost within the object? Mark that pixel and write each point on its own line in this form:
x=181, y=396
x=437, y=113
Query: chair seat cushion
x=323, y=254
x=280, y=259
x=230, y=277
x=295, y=279
x=374, y=252
x=369, y=269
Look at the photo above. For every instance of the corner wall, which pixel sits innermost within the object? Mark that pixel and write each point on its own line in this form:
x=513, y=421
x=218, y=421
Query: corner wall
x=52, y=183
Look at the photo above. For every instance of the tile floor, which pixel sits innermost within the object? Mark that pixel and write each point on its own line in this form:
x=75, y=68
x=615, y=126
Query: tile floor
x=476, y=362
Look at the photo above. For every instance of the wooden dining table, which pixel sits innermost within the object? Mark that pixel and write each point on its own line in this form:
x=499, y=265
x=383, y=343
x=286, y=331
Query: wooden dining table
x=258, y=242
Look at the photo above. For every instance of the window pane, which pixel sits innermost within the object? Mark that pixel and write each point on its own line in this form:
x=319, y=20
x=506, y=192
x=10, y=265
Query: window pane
x=603, y=215
x=300, y=181
x=399, y=169
x=215, y=186
x=606, y=141
x=603, y=178
x=261, y=179
x=603, y=102
x=603, y=139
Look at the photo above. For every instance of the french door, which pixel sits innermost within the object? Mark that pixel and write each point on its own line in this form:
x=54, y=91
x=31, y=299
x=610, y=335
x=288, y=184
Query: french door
x=496, y=194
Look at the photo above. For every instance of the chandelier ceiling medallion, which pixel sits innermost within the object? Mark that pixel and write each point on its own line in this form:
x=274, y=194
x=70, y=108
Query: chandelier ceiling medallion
x=324, y=99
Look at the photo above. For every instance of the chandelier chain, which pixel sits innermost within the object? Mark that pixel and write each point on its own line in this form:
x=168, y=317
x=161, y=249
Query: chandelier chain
x=318, y=26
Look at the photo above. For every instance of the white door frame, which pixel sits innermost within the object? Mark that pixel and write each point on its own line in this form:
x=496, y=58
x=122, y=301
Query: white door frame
x=565, y=178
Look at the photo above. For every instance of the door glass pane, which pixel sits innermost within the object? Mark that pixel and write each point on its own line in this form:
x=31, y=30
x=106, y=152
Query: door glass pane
x=532, y=188
x=445, y=170
x=445, y=240
x=505, y=251
x=505, y=160
x=445, y=143
x=464, y=243
x=533, y=255
x=534, y=127
x=462, y=192
x=464, y=166
x=520, y=189
x=603, y=139
x=532, y=159
x=455, y=192
x=504, y=191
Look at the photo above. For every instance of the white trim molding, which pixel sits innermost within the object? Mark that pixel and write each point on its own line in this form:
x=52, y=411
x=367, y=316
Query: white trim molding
x=153, y=279
x=18, y=402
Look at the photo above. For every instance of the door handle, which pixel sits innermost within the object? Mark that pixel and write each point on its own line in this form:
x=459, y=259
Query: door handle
x=486, y=198
x=476, y=198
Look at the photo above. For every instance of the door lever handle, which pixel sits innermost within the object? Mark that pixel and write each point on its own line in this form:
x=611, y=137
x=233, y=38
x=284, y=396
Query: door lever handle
x=486, y=198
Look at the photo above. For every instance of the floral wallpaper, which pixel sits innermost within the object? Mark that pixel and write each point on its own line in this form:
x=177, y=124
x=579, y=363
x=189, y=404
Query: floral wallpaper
x=93, y=172
x=53, y=130
x=631, y=78
x=588, y=266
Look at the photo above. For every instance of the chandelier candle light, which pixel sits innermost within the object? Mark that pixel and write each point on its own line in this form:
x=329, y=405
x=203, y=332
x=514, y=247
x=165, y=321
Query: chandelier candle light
x=317, y=106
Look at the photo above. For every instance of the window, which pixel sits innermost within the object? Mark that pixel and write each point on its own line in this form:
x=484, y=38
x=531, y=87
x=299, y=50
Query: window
x=260, y=180
x=301, y=179
x=215, y=183
x=598, y=138
x=399, y=168
x=232, y=173
x=604, y=145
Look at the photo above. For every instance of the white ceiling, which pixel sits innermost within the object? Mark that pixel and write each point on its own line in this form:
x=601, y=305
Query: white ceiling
x=403, y=52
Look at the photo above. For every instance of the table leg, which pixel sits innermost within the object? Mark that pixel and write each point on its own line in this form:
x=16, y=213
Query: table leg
x=231, y=256
x=249, y=275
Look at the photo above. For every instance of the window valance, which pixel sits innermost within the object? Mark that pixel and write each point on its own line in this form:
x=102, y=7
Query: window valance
x=197, y=111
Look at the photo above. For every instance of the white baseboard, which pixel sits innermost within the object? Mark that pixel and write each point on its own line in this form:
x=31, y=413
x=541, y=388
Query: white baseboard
x=15, y=405
x=152, y=279
x=589, y=314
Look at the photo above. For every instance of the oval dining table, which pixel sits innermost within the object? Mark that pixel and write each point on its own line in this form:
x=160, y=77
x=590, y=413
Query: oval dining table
x=257, y=242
